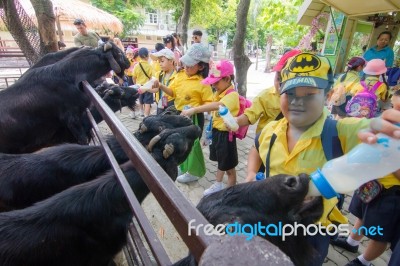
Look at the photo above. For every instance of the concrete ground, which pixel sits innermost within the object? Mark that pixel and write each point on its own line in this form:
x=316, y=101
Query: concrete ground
x=176, y=249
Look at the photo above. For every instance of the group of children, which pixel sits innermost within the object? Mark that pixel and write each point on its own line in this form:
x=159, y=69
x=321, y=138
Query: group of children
x=292, y=118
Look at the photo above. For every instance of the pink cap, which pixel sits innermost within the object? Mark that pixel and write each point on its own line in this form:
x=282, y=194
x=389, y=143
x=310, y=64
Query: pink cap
x=218, y=71
x=281, y=63
x=375, y=67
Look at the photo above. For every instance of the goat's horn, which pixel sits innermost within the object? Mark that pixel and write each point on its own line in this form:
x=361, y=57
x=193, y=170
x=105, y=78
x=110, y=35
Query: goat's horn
x=168, y=150
x=142, y=128
x=153, y=142
x=107, y=47
x=114, y=65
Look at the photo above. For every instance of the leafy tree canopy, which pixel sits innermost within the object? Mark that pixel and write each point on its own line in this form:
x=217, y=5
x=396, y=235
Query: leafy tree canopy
x=278, y=18
x=124, y=10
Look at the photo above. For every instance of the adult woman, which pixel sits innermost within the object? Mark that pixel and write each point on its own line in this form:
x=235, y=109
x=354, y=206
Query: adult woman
x=381, y=50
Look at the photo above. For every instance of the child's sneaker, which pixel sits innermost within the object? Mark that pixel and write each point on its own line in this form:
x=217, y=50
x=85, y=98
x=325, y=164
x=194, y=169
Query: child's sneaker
x=186, y=178
x=132, y=115
x=217, y=186
x=179, y=171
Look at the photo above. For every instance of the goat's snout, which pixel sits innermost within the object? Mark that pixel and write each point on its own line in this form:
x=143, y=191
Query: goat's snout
x=291, y=181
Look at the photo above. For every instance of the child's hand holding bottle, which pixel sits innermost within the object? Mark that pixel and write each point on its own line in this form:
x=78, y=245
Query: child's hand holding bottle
x=188, y=112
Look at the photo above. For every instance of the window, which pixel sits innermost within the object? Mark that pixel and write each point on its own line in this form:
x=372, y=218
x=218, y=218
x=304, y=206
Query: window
x=148, y=38
x=152, y=18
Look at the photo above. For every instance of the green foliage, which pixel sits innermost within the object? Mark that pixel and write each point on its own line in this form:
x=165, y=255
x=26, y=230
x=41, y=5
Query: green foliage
x=124, y=10
x=175, y=5
x=278, y=18
x=218, y=18
x=359, y=40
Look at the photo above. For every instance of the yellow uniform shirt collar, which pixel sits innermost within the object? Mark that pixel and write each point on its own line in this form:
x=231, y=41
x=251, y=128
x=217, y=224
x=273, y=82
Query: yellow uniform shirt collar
x=194, y=77
x=313, y=131
x=222, y=94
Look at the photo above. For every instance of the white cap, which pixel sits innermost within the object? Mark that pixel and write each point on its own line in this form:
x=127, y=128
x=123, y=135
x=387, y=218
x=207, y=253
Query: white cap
x=167, y=53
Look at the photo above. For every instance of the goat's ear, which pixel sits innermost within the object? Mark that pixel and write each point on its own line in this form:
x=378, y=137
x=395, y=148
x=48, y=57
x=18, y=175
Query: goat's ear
x=114, y=65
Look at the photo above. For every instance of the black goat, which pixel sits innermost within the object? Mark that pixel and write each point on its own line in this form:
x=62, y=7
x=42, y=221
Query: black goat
x=54, y=57
x=29, y=178
x=47, y=101
x=85, y=224
x=277, y=199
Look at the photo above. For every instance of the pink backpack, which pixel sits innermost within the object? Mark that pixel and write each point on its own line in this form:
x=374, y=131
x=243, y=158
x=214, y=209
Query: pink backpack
x=364, y=103
x=243, y=105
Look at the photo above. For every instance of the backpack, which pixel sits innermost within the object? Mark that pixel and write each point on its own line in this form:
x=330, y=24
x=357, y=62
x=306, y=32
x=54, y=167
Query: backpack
x=364, y=103
x=243, y=105
x=331, y=146
x=339, y=93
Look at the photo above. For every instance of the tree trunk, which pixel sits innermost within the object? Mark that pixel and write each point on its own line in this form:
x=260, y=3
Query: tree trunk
x=242, y=62
x=19, y=31
x=217, y=40
x=185, y=21
x=46, y=24
x=268, y=55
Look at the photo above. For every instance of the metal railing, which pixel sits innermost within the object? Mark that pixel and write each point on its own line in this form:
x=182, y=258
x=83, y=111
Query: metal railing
x=178, y=209
x=10, y=74
x=143, y=246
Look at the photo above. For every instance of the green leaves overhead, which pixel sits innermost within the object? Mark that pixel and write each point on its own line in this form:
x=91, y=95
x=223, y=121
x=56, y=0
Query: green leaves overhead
x=278, y=17
x=124, y=10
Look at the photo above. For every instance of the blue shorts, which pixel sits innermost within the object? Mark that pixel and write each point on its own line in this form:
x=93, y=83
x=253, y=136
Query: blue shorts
x=146, y=98
x=384, y=211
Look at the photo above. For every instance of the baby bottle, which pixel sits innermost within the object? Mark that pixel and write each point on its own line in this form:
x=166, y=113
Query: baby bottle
x=148, y=85
x=363, y=163
x=208, y=137
x=228, y=118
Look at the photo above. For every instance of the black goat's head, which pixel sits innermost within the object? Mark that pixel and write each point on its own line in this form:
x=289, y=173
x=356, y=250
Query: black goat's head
x=127, y=96
x=116, y=58
x=173, y=141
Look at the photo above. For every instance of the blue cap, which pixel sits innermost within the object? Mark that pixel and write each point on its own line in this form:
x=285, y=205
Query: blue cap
x=323, y=185
x=260, y=176
x=223, y=110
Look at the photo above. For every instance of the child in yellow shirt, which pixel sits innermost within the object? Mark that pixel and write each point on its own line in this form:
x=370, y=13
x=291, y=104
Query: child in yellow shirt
x=293, y=144
x=141, y=74
x=165, y=58
x=188, y=90
x=221, y=149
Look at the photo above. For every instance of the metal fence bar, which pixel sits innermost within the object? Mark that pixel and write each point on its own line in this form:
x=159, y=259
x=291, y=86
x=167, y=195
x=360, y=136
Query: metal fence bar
x=137, y=240
x=178, y=209
x=154, y=243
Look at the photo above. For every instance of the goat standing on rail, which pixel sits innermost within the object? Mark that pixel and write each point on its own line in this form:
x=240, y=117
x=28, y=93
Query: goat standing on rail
x=45, y=106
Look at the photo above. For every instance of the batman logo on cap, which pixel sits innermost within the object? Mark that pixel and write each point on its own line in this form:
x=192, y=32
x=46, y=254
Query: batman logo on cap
x=304, y=63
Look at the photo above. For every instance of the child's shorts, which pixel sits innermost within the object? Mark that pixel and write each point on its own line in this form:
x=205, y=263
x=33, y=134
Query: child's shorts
x=383, y=211
x=223, y=151
x=146, y=98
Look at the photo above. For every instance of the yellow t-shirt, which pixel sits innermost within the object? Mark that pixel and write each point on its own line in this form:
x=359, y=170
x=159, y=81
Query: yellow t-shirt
x=166, y=82
x=138, y=74
x=156, y=66
x=381, y=92
x=266, y=107
x=308, y=154
x=189, y=91
x=231, y=101
x=129, y=71
x=351, y=80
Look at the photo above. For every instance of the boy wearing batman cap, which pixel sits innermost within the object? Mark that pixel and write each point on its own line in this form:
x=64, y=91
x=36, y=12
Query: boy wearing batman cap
x=296, y=138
